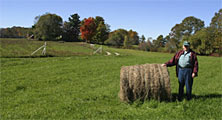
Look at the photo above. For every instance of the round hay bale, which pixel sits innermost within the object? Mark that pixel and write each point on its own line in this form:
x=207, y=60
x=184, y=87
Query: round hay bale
x=144, y=82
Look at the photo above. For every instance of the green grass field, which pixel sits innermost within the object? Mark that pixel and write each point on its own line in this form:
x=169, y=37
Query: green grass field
x=12, y=48
x=78, y=85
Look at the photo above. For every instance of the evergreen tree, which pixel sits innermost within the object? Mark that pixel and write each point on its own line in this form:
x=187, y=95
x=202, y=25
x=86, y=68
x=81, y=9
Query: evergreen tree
x=72, y=28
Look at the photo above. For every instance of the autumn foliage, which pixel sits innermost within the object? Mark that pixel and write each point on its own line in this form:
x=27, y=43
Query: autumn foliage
x=88, y=29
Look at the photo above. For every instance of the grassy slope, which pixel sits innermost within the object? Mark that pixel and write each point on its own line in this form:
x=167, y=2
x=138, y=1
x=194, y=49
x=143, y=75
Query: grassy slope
x=24, y=48
x=87, y=87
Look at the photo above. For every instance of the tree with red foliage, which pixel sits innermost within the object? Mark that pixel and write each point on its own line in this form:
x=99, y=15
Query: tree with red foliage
x=88, y=29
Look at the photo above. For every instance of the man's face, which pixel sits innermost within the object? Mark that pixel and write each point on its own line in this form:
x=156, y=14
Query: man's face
x=185, y=48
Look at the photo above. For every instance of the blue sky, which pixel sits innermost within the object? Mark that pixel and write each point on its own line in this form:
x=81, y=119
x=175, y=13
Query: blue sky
x=148, y=17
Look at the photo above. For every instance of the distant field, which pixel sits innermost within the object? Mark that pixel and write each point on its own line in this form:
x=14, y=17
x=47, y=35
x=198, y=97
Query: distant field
x=85, y=86
x=24, y=48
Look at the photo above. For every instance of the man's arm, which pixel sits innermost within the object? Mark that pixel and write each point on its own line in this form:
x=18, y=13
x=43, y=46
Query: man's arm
x=171, y=62
x=195, y=68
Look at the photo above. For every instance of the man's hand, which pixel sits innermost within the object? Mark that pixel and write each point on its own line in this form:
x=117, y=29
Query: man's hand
x=163, y=65
x=193, y=75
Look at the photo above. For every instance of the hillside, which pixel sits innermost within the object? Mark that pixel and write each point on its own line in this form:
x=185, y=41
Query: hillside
x=24, y=48
x=78, y=85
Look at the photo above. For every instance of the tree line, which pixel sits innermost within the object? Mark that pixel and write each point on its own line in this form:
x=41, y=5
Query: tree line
x=204, y=40
x=14, y=32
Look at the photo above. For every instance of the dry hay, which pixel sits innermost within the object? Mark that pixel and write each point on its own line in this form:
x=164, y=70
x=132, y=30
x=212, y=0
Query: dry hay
x=144, y=82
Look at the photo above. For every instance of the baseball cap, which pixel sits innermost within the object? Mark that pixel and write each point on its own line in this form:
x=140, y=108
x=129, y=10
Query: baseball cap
x=186, y=43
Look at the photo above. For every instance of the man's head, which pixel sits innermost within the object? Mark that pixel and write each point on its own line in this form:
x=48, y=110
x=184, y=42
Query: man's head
x=186, y=46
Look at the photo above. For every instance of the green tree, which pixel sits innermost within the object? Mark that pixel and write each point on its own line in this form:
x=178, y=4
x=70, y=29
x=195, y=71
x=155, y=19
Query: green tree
x=216, y=27
x=116, y=38
x=189, y=26
x=145, y=45
x=170, y=45
x=48, y=27
x=102, y=31
x=14, y=32
x=133, y=37
x=143, y=39
x=126, y=42
x=72, y=28
x=161, y=41
x=175, y=37
x=149, y=44
x=201, y=41
x=216, y=21
x=166, y=39
x=99, y=20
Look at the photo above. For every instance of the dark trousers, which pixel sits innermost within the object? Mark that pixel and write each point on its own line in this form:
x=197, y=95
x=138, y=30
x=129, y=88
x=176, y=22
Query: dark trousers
x=185, y=78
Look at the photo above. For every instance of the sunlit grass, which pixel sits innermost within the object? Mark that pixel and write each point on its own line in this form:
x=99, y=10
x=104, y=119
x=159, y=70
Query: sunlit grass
x=87, y=86
x=24, y=48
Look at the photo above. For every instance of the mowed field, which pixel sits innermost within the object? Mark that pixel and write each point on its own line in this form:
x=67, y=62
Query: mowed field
x=71, y=83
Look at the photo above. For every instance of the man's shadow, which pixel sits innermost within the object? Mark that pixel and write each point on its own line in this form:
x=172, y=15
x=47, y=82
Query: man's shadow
x=196, y=97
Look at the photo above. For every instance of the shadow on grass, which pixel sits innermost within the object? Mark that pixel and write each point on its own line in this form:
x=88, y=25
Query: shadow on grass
x=196, y=97
x=41, y=56
x=139, y=103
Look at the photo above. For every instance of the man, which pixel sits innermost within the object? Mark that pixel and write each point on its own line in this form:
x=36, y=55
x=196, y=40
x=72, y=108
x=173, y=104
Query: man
x=186, y=69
